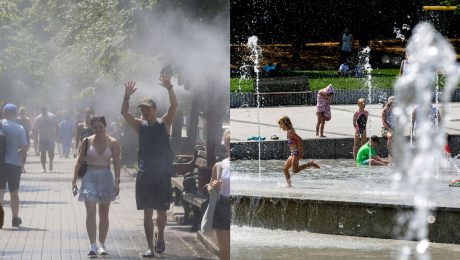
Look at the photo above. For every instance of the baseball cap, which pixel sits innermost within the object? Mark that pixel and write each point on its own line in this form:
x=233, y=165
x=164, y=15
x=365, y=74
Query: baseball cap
x=10, y=108
x=391, y=99
x=148, y=102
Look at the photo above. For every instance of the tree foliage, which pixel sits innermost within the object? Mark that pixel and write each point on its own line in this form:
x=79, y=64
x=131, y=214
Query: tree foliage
x=79, y=45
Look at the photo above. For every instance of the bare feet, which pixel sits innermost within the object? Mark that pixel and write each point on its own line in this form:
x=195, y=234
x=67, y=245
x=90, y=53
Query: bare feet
x=323, y=136
x=313, y=164
x=288, y=183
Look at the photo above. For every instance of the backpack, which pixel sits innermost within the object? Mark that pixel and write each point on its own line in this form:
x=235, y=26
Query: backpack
x=2, y=144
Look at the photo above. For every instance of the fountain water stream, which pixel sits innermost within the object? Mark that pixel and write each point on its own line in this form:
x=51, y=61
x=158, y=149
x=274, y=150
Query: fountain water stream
x=260, y=202
x=255, y=56
x=429, y=52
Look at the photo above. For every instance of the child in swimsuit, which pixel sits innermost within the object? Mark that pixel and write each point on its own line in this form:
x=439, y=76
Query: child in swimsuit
x=296, y=147
x=323, y=108
x=359, y=123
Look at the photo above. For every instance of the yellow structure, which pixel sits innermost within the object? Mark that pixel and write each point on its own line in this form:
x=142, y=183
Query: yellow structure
x=439, y=8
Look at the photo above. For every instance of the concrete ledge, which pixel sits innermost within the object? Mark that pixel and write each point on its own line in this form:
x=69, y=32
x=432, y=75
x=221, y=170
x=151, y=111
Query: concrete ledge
x=341, y=97
x=325, y=148
x=341, y=218
x=209, y=241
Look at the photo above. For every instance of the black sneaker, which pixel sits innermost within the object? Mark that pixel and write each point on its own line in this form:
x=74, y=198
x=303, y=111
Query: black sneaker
x=149, y=253
x=16, y=221
x=159, y=246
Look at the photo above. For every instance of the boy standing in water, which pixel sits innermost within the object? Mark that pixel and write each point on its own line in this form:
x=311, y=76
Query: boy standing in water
x=359, y=123
x=296, y=147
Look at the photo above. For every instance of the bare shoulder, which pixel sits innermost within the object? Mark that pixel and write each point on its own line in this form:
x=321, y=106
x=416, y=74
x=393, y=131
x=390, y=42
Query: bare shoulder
x=384, y=110
x=112, y=140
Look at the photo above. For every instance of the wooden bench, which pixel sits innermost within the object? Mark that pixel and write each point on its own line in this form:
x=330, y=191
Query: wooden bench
x=186, y=163
x=193, y=201
x=284, y=86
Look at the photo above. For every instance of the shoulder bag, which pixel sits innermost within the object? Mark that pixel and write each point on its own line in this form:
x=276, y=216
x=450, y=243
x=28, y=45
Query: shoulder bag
x=84, y=164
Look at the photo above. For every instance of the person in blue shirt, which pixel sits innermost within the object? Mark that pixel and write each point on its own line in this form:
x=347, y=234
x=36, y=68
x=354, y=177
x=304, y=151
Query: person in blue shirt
x=10, y=172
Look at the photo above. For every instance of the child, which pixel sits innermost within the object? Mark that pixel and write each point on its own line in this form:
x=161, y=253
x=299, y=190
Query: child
x=359, y=123
x=323, y=109
x=296, y=147
x=447, y=151
x=368, y=156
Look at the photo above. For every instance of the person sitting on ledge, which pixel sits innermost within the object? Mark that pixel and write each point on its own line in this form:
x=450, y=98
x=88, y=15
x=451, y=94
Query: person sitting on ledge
x=271, y=69
x=345, y=69
x=270, y=66
x=296, y=147
x=368, y=156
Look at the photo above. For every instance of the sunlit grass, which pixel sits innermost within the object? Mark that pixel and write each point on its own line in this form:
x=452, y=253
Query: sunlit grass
x=318, y=79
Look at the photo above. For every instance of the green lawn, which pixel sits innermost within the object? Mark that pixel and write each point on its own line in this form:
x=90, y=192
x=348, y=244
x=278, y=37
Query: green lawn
x=381, y=78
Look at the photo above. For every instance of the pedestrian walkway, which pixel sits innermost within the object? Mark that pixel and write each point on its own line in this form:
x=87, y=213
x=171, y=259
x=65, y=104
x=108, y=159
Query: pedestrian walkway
x=53, y=221
x=246, y=122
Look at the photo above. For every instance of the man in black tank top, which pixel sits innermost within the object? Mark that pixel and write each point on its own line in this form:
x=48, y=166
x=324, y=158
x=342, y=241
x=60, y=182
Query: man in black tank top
x=153, y=182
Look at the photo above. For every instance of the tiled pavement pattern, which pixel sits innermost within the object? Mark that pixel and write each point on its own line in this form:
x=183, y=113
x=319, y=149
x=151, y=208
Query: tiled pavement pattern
x=53, y=221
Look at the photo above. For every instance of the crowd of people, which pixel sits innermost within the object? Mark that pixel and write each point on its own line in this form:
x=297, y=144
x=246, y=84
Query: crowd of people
x=96, y=147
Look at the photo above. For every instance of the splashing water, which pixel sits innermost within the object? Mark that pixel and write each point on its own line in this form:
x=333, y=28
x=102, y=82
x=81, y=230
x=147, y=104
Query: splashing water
x=399, y=35
x=366, y=66
x=405, y=27
x=255, y=56
x=245, y=72
x=430, y=52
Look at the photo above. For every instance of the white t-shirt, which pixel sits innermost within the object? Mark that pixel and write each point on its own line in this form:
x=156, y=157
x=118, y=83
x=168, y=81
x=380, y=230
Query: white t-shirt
x=224, y=168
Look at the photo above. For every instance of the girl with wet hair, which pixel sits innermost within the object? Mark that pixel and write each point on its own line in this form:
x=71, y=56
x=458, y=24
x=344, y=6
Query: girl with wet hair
x=296, y=147
x=359, y=123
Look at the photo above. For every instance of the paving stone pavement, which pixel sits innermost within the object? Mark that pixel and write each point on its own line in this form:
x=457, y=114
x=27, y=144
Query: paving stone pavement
x=53, y=221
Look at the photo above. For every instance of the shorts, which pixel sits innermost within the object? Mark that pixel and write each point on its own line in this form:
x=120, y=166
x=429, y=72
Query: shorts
x=97, y=186
x=10, y=174
x=222, y=214
x=153, y=191
x=46, y=146
x=365, y=162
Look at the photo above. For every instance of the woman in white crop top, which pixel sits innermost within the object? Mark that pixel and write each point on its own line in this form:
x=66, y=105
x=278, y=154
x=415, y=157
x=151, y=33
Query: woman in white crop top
x=222, y=213
x=98, y=186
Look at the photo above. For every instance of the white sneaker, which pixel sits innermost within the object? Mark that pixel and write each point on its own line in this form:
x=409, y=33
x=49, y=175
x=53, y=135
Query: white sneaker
x=92, y=251
x=101, y=250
